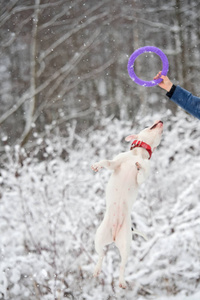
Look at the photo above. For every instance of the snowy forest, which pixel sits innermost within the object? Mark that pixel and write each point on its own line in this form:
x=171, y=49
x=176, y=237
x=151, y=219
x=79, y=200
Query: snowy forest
x=67, y=101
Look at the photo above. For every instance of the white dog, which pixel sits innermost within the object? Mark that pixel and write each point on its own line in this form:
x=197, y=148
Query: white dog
x=130, y=169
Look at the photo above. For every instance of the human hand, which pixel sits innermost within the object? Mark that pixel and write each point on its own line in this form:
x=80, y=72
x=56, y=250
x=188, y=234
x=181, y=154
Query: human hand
x=166, y=84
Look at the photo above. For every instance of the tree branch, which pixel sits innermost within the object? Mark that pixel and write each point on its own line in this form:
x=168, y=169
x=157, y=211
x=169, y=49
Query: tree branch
x=76, y=83
x=17, y=9
x=75, y=60
x=66, y=36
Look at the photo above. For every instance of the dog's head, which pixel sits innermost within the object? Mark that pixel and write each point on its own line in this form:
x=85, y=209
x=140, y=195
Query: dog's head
x=150, y=135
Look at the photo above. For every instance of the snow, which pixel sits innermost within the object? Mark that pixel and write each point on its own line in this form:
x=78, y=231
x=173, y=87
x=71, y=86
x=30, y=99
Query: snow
x=102, y=88
x=50, y=211
x=196, y=296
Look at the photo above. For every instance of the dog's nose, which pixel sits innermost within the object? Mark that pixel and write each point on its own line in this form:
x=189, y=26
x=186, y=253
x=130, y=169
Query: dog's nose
x=158, y=121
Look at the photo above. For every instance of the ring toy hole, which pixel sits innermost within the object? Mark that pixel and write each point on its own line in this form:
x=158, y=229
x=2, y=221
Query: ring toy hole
x=147, y=49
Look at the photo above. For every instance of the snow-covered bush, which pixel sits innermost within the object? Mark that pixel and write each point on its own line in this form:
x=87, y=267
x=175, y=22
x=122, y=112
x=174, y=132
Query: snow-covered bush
x=50, y=210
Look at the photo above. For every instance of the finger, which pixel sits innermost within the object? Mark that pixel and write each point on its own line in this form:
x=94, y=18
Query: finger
x=163, y=77
x=158, y=75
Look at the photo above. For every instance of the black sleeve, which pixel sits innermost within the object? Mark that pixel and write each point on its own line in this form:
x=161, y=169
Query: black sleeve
x=170, y=93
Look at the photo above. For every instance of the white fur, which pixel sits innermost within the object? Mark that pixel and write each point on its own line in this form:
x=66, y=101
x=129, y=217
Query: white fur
x=130, y=169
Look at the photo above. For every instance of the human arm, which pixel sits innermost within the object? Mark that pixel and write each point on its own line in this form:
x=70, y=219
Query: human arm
x=186, y=100
x=180, y=96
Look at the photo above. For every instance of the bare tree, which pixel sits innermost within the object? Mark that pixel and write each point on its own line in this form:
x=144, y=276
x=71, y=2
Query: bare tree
x=54, y=68
x=65, y=59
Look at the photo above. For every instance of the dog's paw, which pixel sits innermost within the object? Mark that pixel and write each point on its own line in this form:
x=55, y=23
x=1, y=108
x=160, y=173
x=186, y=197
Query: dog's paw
x=96, y=272
x=138, y=166
x=122, y=284
x=96, y=167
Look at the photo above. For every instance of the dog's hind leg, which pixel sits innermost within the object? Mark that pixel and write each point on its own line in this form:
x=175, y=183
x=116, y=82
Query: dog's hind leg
x=123, y=242
x=98, y=266
x=103, y=237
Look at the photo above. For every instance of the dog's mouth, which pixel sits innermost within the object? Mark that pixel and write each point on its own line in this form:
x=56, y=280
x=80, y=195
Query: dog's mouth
x=154, y=126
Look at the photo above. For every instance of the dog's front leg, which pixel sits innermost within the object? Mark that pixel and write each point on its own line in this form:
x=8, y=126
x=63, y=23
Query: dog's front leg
x=108, y=164
x=143, y=171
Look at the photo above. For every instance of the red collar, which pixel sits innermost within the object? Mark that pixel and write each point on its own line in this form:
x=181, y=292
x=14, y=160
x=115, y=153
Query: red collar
x=141, y=144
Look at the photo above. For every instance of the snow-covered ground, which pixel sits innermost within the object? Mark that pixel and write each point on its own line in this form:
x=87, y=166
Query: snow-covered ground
x=196, y=296
x=50, y=210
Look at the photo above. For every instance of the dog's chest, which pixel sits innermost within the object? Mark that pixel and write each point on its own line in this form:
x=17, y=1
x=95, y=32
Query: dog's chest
x=122, y=183
x=126, y=173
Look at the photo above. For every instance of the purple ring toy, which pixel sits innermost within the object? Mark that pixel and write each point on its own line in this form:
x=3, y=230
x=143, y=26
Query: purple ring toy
x=133, y=57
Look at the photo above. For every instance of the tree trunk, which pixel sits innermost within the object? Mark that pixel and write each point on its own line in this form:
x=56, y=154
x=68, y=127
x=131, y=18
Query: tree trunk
x=180, y=44
x=33, y=84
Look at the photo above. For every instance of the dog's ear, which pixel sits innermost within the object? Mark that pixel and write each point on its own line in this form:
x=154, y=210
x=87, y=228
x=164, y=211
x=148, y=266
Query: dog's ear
x=131, y=137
